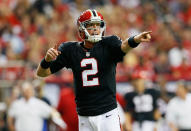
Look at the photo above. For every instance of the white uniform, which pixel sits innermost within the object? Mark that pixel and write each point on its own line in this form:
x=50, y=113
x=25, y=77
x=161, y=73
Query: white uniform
x=179, y=112
x=109, y=121
x=144, y=126
x=29, y=115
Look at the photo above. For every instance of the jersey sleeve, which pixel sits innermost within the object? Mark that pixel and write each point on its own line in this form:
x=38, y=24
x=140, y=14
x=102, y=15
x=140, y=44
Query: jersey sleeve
x=45, y=109
x=129, y=102
x=156, y=95
x=171, y=113
x=114, y=43
x=62, y=60
x=115, y=48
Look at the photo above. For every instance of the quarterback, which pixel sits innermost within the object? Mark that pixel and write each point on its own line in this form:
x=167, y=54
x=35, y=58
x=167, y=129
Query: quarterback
x=93, y=62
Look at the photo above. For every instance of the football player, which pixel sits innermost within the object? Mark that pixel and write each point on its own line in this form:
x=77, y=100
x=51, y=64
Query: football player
x=142, y=106
x=93, y=62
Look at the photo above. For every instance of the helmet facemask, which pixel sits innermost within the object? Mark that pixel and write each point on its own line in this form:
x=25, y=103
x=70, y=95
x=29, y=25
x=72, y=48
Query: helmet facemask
x=84, y=27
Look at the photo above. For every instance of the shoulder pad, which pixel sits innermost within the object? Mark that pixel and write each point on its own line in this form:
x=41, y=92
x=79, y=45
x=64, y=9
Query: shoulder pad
x=66, y=45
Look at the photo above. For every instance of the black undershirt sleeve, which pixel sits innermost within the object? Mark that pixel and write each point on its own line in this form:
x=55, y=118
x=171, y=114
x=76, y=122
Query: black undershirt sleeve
x=129, y=103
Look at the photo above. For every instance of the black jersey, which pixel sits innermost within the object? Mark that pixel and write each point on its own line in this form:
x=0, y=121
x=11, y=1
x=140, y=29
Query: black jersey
x=94, y=73
x=142, y=106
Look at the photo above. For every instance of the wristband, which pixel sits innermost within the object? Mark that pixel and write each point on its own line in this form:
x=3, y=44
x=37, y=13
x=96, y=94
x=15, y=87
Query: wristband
x=132, y=43
x=44, y=64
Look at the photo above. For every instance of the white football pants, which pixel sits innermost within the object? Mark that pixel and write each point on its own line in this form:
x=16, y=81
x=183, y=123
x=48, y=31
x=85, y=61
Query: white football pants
x=145, y=126
x=108, y=121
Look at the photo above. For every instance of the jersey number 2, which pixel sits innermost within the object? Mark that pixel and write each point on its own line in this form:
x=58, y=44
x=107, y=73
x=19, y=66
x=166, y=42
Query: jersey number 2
x=86, y=73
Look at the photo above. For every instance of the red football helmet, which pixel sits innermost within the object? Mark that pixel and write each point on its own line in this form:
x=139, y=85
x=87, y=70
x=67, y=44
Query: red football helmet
x=88, y=17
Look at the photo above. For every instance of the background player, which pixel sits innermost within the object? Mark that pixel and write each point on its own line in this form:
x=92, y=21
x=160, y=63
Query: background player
x=93, y=63
x=142, y=108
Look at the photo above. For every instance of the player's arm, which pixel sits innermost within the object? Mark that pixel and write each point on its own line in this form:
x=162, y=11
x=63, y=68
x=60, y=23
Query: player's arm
x=10, y=121
x=173, y=127
x=134, y=41
x=128, y=121
x=56, y=118
x=43, y=72
x=43, y=68
x=157, y=115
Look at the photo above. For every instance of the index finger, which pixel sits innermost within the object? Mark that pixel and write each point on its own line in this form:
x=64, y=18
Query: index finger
x=147, y=32
x=56, y=46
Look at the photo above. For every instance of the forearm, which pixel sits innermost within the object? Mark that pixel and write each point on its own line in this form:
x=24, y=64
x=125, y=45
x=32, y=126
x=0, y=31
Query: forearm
x=157, y=114
x=173, y=127
x=125, y=46
x=43, y=68
x=56, y=118
x=10, y=122
x=129, y=43
x=128, y=120
x=41, y=72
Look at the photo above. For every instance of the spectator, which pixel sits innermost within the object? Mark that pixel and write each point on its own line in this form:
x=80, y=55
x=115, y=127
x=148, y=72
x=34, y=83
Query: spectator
x=67, y=108
x=29, y=112
x=38, y=85
x=176, y=55
x=178, y=113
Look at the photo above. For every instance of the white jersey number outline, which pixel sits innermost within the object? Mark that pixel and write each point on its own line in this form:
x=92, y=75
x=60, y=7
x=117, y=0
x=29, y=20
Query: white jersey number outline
x=93, y=71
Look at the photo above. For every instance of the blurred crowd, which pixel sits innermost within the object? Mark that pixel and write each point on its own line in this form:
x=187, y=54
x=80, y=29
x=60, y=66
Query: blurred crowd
x=29, y=27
